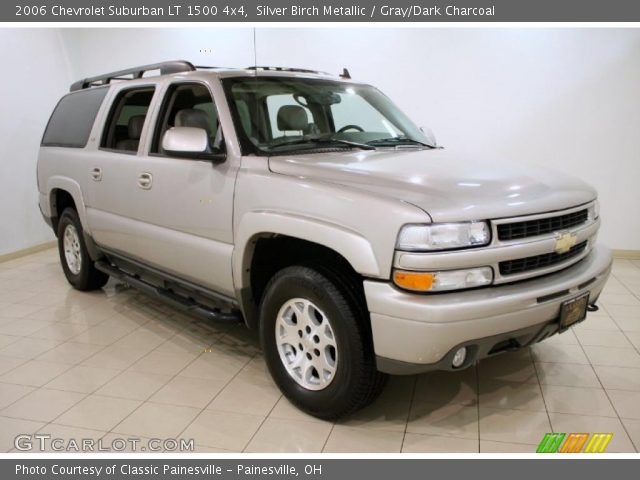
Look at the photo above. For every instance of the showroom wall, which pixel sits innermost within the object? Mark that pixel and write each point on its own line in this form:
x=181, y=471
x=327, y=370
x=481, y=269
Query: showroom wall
x=562, y=98
x=95, y=51
x=35, y=73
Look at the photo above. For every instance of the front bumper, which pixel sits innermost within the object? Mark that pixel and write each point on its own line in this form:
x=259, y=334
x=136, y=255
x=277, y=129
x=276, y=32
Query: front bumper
x=416, y=333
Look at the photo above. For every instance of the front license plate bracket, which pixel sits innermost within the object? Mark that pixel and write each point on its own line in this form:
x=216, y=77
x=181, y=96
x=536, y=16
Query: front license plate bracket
x=573, y=310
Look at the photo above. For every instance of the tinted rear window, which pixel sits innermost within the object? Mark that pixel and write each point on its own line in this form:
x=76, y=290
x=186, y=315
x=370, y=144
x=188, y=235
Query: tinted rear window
x=72, y=119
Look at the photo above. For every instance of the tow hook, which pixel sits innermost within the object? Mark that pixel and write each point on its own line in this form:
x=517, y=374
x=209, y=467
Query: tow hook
x=592, y=308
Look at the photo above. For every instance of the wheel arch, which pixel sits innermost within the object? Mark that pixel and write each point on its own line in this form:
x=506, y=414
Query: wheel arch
x=267, y=242
x=60, y=191
x=64, y=192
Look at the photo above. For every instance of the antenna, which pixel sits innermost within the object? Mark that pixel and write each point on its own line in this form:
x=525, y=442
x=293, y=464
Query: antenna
x=255, y=50
x=345, y=74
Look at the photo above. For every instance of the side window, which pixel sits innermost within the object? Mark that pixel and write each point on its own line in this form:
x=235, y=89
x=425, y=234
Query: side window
x=275, y=104
x=188, y=105
x=72, y=119
x=126, y=119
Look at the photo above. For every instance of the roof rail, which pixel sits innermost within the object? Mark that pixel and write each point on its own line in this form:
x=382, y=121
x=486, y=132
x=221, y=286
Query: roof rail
x=286, y=69
x=211, y=67
x=166, y=68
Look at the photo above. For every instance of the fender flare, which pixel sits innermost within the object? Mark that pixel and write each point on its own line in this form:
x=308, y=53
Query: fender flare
x=72, y=188
x=352, y=246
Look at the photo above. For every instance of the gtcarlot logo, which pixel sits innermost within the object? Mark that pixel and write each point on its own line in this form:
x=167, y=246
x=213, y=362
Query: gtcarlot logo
x=47, y=443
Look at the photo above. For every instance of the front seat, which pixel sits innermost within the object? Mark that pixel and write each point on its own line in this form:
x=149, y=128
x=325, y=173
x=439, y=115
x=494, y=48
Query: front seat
x=134, y=130
x=192, y=117
x=292, y=118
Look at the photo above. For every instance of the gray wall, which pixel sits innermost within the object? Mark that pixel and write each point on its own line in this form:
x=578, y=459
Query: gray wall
x=563, y=98
x=35, y=73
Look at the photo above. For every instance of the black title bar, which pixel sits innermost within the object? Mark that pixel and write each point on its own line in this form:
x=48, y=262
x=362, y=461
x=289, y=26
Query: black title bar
x=312, y=469
x=320, y=11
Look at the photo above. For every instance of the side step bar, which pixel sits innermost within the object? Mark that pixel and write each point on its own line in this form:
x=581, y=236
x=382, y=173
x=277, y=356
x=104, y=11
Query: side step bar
x=169, y=297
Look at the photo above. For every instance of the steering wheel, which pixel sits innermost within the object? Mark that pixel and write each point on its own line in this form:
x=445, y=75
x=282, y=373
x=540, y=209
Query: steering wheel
x=350, y=127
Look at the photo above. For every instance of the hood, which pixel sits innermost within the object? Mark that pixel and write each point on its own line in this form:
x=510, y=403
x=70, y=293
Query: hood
x=447, y=187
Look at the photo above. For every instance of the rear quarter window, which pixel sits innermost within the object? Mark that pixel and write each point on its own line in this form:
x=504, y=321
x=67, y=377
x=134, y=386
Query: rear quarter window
x=72, y=119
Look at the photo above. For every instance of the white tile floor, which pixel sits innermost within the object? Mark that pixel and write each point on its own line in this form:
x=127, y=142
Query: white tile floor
x=116, y=364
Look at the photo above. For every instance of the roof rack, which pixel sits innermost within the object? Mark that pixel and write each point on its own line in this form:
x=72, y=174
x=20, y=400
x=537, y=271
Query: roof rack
x=211, y=67
x=286, y=69
x=174, y=66
x=166, y=68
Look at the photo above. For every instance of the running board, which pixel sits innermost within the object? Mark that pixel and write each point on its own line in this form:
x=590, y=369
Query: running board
x=167, y=296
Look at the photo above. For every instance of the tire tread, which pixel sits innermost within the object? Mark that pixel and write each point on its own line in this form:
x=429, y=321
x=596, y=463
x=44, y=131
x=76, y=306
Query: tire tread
x=89, y=277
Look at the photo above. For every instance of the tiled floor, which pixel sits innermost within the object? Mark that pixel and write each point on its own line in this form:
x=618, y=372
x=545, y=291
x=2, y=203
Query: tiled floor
x=115, y=364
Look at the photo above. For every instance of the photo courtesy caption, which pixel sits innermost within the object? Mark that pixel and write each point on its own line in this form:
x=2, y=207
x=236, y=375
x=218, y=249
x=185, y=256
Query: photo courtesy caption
x=126, y=469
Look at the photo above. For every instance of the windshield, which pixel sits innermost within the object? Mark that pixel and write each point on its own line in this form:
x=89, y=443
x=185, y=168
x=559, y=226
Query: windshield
x=276, y=115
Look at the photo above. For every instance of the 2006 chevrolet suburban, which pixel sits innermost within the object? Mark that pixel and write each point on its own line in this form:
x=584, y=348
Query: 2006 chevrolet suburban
x=315, y=211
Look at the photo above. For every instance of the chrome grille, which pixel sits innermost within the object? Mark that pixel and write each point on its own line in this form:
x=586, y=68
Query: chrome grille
x=541, y=226
x=521, y=265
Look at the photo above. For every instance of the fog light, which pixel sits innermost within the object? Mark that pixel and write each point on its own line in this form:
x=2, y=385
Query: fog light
x=459, y=357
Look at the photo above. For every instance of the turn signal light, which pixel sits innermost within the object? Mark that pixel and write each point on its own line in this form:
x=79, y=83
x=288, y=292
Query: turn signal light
x=418, y=281
x=444, y=280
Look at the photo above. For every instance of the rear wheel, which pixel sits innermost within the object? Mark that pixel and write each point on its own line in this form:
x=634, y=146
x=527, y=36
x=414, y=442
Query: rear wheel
x=316, y=347
x=76, y=262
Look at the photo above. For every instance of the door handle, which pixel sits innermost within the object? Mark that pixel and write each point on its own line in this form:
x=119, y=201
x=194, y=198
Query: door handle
x=145, y=180
x=96, y=174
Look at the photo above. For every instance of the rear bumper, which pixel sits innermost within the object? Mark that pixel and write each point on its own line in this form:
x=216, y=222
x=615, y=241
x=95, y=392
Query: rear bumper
x=415, y=333
x=43, y=205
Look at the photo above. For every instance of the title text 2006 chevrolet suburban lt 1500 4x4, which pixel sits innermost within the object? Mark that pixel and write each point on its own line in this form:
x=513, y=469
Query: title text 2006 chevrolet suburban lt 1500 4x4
x=315, y=211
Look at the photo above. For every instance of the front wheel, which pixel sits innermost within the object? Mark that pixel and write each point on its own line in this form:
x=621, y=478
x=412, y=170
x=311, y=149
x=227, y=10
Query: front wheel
x=74, y=257
x=316, y=347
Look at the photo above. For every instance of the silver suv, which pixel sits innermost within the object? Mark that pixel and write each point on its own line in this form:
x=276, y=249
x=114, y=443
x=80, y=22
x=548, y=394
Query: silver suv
x=312, y=209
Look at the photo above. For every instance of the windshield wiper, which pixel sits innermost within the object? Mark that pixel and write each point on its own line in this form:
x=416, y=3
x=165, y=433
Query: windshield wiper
x=325, y=141
x=395, y=141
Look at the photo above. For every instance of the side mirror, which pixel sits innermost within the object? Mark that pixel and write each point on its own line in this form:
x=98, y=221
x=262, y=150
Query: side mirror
x=429, y=135
x=190, y=142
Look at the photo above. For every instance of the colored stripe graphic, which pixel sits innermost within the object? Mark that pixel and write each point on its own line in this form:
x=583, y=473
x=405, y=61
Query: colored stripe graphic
x=598, y=443
x=574, y=443
x=550, y=443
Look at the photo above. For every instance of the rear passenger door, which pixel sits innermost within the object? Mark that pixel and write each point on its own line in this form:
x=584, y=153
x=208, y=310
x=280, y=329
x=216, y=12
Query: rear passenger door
x=185, y=207
x=113, y=171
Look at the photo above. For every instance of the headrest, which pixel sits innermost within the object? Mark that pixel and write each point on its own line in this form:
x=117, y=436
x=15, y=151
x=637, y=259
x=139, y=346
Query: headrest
x=292, y=117
x=134, y=128
x=191, y=117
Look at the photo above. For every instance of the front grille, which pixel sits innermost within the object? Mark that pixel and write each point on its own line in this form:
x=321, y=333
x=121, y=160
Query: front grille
x=541, y=226
x=522, y=265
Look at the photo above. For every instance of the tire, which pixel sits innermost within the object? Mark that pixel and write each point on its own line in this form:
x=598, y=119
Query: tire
x=298, y=297
x=76, y=262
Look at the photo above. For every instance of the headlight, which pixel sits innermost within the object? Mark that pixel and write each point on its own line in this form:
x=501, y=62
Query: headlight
x=444, y=280
x=594, y=210
x=443, y=236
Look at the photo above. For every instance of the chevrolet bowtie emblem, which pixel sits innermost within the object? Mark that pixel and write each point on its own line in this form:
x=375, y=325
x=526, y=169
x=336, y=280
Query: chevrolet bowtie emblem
x=564, y=242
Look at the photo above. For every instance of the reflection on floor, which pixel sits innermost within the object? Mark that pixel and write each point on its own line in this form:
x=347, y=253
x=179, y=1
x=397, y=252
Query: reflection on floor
x=115, y=365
